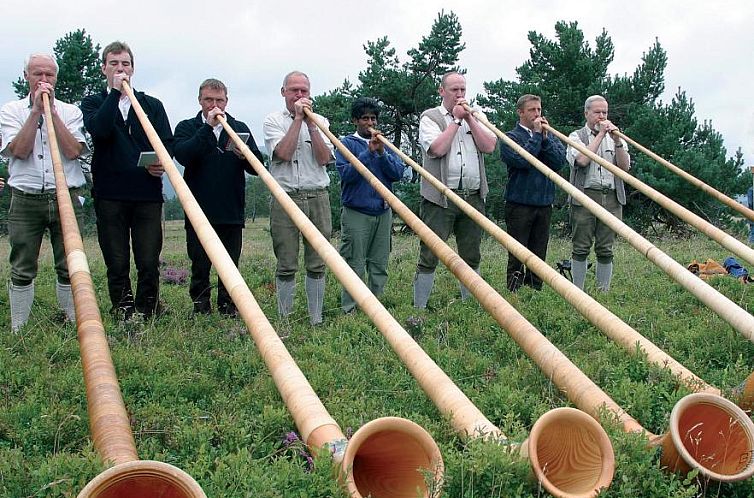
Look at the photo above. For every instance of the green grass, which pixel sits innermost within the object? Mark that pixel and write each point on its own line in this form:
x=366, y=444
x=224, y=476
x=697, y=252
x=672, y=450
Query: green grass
x=200, y=397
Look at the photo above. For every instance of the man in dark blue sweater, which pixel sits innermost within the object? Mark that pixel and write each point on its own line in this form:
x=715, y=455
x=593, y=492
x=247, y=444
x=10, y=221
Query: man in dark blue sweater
x=127, y=198
x=366, y=219
x=529, y=195
x=214, y=171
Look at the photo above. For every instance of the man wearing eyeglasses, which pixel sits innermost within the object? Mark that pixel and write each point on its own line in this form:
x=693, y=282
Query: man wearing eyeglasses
x=366, y=219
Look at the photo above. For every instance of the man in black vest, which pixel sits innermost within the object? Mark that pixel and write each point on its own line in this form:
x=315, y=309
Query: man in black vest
x=127, y=198
x=214, y=171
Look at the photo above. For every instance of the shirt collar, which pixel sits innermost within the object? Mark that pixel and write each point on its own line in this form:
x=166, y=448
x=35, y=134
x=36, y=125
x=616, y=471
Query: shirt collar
x=204, y=120
x=525, y=128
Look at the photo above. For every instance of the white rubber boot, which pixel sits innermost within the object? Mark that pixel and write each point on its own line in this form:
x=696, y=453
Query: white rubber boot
x=285, y=290
x=578, y=270
x=65, y=300
x=315, y=298
x=604, y=273
x=21, y=298
x=423, y=283
x=465, y=293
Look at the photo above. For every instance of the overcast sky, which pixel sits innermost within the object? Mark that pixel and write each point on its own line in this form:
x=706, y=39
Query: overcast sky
x=251, y=44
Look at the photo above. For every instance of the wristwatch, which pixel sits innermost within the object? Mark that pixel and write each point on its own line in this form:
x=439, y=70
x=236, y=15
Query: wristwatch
x=458, y=121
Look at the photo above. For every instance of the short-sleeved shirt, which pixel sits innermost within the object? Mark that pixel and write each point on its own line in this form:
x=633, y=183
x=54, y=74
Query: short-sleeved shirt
x=597, y=177
x=463, y=157
x=302, y=172
x=35, y=172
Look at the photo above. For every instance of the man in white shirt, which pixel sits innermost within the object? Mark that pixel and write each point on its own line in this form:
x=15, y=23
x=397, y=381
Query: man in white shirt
x=453, y=141
x=601, y=186
x=33, y=209
x=299, y=154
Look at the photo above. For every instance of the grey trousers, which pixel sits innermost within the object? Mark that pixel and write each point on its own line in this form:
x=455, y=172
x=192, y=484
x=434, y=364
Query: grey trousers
x=451, y=220
x=285, y=236
x=588, y=230
x=29, y=217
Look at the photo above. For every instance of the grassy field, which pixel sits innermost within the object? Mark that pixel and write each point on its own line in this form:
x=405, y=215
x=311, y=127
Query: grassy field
x=200, y=397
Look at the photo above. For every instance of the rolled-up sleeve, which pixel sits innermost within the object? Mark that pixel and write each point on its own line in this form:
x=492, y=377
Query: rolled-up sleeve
x=428, y=133
x=273, y=131
x=571, y=152
x=10, y=125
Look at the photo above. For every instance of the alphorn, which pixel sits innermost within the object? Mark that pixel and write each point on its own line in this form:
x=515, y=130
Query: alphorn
x=707, y=189
x=725, y=240
x=700, y=421
x=570, y=453
x=737, y=317
x=384, y=457
x=601, y=317
x=109, y=424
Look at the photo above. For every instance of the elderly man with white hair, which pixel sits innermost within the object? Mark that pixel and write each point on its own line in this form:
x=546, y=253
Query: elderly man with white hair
x=601, y=186
x=33, y=208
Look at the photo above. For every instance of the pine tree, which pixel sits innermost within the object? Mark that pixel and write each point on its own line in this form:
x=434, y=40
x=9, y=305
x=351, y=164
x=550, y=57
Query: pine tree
x=79, y=71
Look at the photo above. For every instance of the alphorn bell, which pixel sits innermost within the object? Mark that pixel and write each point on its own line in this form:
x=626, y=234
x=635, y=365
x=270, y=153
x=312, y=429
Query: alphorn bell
x=108, y=421
x=384, y=457
x=748, y=213
x=553, y=438
x=737, y=317
x=729, y=446
x=602, y=318
x=727, y=241
x=729, y=442
x=568, y=451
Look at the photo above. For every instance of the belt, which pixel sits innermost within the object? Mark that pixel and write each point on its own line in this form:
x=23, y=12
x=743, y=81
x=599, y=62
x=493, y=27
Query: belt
x=306, y=194
x=603, y=190
x=464, y=192
x=37, y=193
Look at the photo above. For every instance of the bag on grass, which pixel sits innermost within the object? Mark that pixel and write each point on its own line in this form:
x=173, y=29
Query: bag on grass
x=707, y=270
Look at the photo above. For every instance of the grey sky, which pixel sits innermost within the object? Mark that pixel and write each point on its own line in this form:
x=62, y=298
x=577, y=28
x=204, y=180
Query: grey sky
x=250, y=45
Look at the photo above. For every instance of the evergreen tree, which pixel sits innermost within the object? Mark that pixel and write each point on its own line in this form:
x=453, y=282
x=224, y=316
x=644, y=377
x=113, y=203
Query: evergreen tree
x=565, y=71
x=79, y=74
x=405, y=90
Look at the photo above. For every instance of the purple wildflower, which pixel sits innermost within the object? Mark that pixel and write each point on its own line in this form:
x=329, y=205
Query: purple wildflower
x=176, y=276
x=293, y=441
x=309, y=460
x=290, y=438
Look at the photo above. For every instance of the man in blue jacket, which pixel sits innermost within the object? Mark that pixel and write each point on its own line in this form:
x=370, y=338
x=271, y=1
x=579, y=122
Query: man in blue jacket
x=127, y=198
x=214, y=171
x=529, y=195
x=366, y=218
